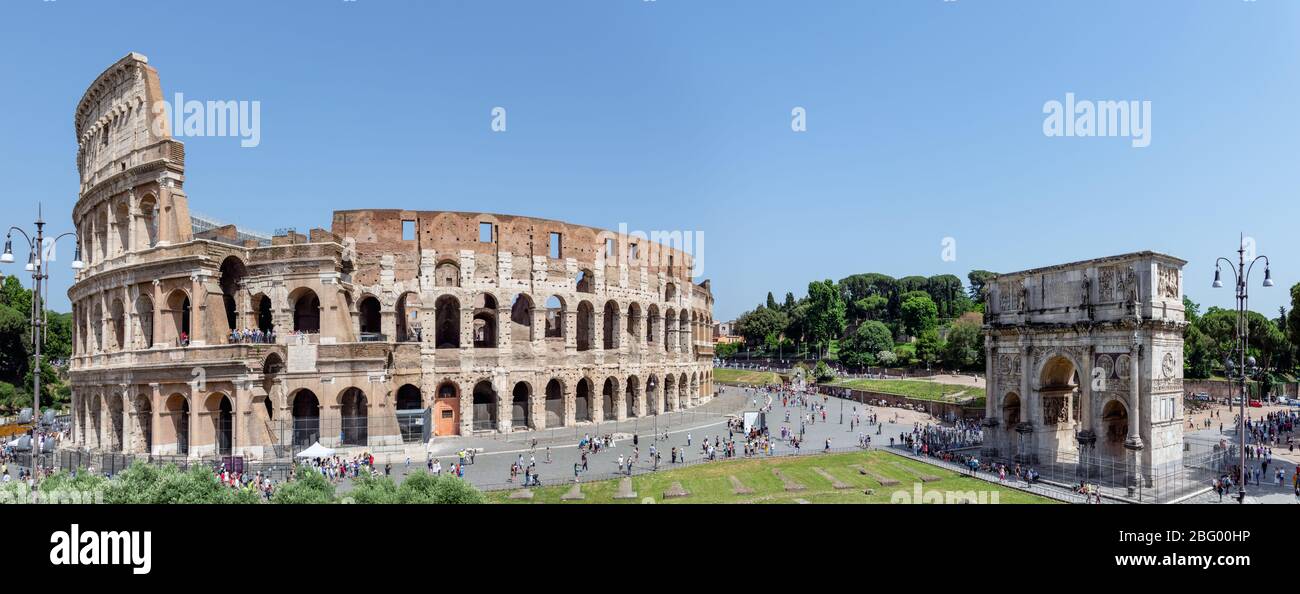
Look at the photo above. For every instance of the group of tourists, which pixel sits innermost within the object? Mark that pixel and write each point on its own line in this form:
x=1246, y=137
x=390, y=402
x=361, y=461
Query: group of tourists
x=243, y=481
x=252, y=336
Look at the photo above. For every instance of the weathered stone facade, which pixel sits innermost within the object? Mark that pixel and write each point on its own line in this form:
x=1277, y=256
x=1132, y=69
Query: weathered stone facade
x=1085, y=362
x=488, y=322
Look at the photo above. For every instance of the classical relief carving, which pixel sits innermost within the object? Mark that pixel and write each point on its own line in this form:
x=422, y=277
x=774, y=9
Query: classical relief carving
x=1168, y=288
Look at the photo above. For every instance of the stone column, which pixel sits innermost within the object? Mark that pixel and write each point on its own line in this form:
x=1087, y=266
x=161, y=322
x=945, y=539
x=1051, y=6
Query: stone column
x=198, y=303
x=157, y=314
x=538, y=316
x=1134, y=440
x=570, y=330
x=155, y=409
x=620, y=401
x=991, y=395
x=570, y=403
x=505, y=329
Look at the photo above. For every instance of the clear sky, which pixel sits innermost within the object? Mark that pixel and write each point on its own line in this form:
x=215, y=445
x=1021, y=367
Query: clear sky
x=924, y=121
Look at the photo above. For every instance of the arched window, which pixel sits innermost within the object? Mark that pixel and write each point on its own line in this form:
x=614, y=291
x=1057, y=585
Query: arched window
x=232, y=278
x=447, y=274
x=521, y=318
x=586, y=325
x=555, y=317
x=447, y=322
x=306, y=312
x=485, y=321
x=368, y=310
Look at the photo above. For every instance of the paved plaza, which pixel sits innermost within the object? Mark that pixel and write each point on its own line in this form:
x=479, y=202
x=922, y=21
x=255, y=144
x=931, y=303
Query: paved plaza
x=491, y=467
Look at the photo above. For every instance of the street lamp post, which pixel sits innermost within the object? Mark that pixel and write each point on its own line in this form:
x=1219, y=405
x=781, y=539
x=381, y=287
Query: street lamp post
x=36, y=261
x=1245, y=365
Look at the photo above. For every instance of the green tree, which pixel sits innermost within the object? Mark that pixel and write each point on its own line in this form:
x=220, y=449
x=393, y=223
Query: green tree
x=307, y=487
x=979, y=280
x=860, y=348
x=761, y=324
x=963, y=348
x=826, y=315
x=771, y=302
x=918, y=313
x=929, y=347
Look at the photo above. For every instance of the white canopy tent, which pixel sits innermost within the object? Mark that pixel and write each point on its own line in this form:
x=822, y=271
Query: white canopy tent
x=316, y=451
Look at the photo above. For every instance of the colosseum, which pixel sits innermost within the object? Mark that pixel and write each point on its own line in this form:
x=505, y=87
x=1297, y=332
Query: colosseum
x=199, y=339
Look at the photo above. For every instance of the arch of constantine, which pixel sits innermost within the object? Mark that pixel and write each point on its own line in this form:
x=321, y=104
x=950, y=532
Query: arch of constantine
x=1085, y=365
x=391, y=326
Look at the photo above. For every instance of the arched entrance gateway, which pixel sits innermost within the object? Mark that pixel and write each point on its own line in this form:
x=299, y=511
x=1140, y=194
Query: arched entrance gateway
x=446, y=410
x=306, y=419
x=355, y=417
x=521, y=413
x=1076, y=353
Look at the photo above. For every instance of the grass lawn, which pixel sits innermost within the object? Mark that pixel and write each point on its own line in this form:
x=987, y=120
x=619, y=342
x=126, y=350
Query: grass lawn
x=921, y=390
x=741, y=376
x=711, y=483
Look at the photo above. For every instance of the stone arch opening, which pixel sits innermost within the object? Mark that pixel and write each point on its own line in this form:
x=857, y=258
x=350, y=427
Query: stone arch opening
x=1010, y=410
x=306, y=418
x=409, y=397
x=586, y=281
x=521, y=318
x=306, y=311
x=1058, y=390
x=117, y=312
x=653, y=323
x=554, y=403
x=178, y=303
x=408, y=318
x=608, y=405
x=555, y=309
x=232, y=274
x=485, y=321
x=520, y=411
x=610, y=325
x=582, y=401
x=670, y=392
x=485, y=406
x=670, y=292
x=178, y=411
x=265, y=317
x=447, y=274
x=144, y=322
x=447, y=322
x=370, y=318
x=632, y=397
x=223, y=423
x=1114, y=423
x=446, y=409
x=634, y=323
x=355, y=417
x=149, y=218
x=116, y=434
x=586, y=323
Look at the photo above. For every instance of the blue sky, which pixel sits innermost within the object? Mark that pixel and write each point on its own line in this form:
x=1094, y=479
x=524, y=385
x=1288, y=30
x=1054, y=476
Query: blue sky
x=924, y=121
